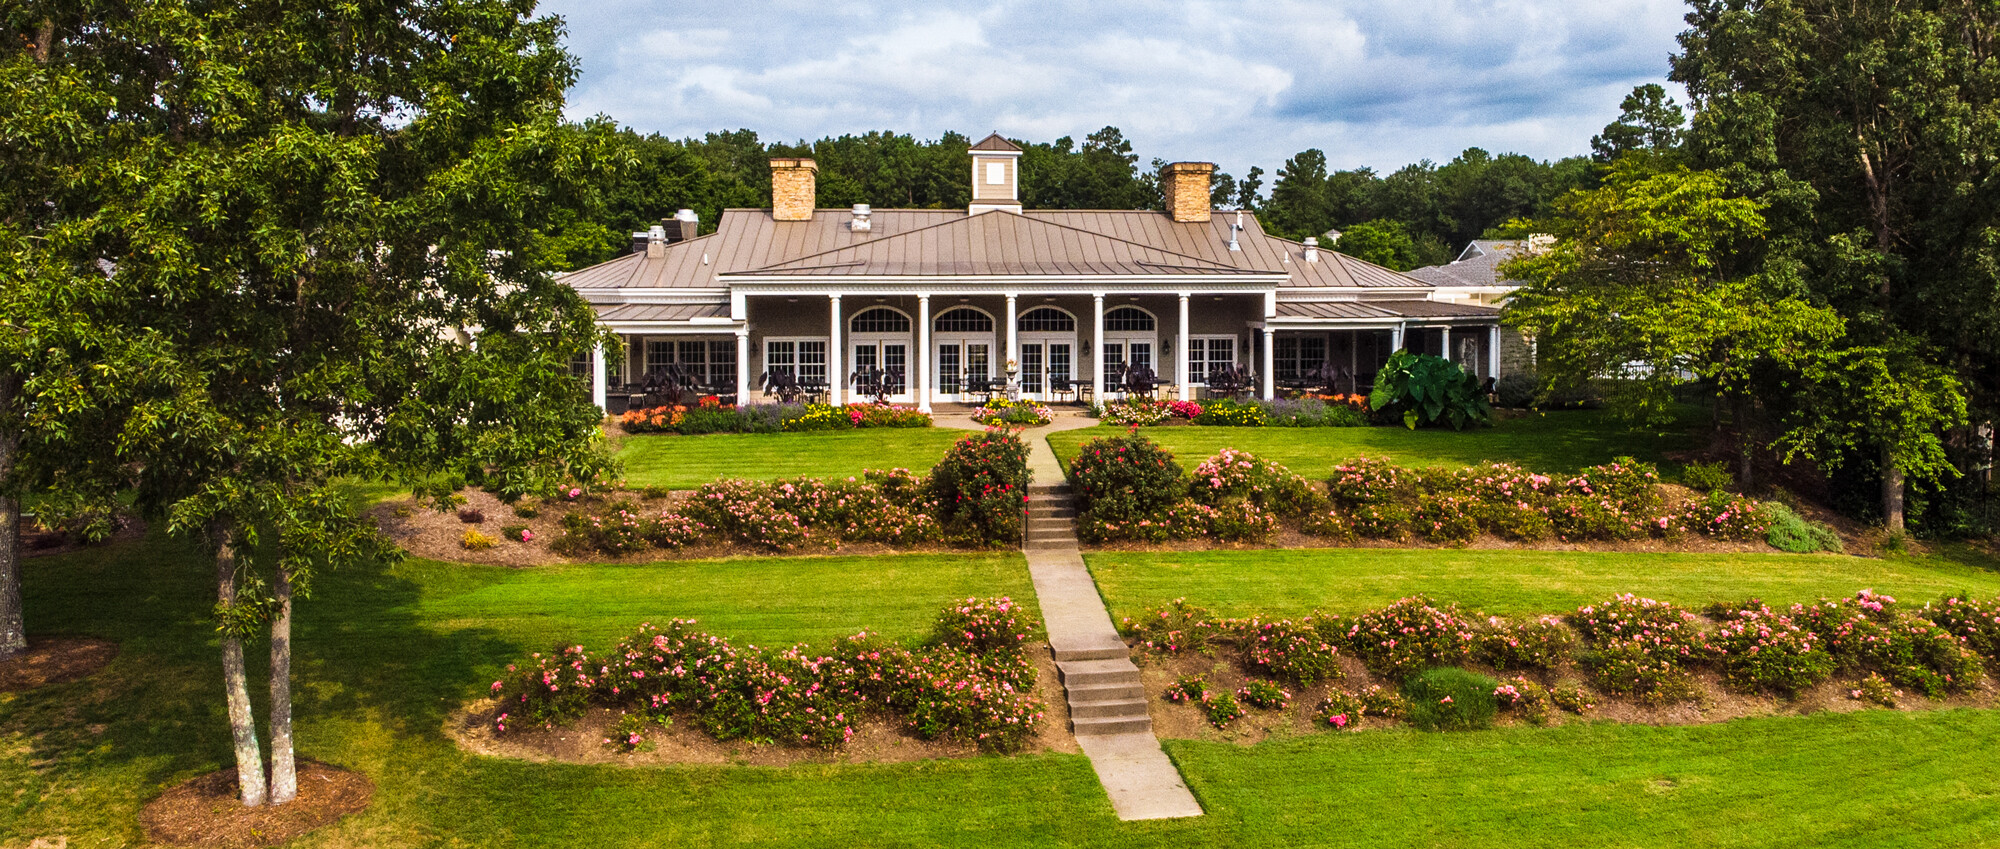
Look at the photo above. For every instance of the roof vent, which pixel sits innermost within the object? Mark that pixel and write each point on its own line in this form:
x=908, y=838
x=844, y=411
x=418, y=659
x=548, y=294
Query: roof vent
x=860, y=223
x=640, y=239
x=656, y=242
x=1312, y=249
x=1233, y=229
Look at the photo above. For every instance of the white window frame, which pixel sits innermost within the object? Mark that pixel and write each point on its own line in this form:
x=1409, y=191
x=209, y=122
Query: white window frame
x=1235, y=351
x=794, y=363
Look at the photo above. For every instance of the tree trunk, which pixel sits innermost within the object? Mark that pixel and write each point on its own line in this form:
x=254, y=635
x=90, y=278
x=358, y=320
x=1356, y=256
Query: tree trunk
x=1892, y=493
x=235, y=681
x=284, y=773
x=13, y=627
x=1746, y=465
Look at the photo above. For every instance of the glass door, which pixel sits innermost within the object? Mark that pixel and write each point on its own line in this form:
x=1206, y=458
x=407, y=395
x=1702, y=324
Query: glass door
x=951, y=363
x=892, y=358
x=1031, y=368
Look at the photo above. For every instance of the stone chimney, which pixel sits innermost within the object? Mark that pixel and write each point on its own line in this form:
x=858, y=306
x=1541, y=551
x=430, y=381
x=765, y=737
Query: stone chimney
x=794, y=189
x=1185, y=186
x=682, y=227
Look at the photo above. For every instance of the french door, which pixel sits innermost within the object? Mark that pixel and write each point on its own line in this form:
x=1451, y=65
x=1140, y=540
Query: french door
x=1046, y=363
x=1137, y=353
x=959, y=360
x=890, y=357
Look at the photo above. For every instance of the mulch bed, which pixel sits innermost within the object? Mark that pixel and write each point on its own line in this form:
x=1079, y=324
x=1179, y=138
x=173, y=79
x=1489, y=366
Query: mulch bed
x=54, y=660
x=876, y=739
x=206, y=811
x=1717, y=703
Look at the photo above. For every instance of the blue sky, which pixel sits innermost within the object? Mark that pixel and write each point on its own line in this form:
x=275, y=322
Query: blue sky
x=1371, y=82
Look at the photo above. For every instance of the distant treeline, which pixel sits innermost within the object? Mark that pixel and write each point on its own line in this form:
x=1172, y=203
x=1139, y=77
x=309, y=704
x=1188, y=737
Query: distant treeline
x=1420, y=214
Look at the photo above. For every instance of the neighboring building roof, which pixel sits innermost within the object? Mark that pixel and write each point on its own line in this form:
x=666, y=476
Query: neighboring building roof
x=927, y=242
x=1363, y=310
x=1477, y=265
x=661, y=312
x=996, y=142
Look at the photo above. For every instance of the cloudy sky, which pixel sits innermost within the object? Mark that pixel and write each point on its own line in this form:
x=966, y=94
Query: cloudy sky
x=1371, y=82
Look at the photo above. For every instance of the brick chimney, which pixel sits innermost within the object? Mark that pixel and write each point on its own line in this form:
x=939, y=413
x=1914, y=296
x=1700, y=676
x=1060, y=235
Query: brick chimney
x=794, y=189
x=1185, y=185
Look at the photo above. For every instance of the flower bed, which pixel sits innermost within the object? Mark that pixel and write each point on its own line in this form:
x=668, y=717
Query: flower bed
x=715, y=417
x=1234, y=496
x=975, y=496
x=1000, y=412
x=1631, y=651
x=978, y=689
x=1319, y=411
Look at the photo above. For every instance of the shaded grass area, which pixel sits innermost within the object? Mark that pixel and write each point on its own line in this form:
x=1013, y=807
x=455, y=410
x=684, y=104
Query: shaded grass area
x=1874, y=778
x=1284, y=582
x=1559, y=441
x=686, y=462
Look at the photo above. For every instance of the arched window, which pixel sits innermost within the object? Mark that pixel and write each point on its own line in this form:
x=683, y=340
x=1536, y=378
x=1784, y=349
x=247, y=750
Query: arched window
x=963, y=320
x=1128, y=318
x=1048, y=319
x=879, y=320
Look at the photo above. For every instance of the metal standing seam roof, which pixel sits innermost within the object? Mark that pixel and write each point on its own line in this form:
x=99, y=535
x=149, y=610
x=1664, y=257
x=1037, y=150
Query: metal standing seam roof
x=661, y=312
x=1386, y=310
x=1136, y=242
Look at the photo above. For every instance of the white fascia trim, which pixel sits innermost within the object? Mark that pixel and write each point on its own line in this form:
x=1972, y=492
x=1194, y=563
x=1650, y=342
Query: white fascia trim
x=984, y=285
x=656, y=296
x=710, y=327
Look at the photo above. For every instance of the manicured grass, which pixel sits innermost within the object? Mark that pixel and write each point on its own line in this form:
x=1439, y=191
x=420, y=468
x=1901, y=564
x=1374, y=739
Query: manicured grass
x=1560, y=441
x=386, y=655
x=686, y=462
x=1875, y=779
x=1350, y=580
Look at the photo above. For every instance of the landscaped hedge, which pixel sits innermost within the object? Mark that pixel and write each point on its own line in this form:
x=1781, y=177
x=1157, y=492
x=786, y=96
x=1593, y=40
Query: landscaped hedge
x=974, y=682
x=1626, y=647
x=975, y=496
x=1001, y=412
x=1235, y=496
x=769, y=418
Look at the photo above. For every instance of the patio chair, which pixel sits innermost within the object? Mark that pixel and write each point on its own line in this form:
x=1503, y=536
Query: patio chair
x=1062, y=386
x=984, y=386
x=1140, y=382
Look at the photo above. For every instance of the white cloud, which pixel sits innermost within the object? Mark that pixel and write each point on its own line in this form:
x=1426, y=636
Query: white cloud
x=1371, y=82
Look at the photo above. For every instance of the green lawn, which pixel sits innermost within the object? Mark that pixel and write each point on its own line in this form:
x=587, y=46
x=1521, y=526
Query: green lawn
x=686, y=462
x=1350, y=580
x=1560, y=441
x=386, y=655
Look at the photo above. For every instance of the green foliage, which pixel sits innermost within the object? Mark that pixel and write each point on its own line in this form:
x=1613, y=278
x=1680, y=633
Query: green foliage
x=1386, y=243
x=1791, y=532
x=1707, y=477
x=1429, y=390
x=981, y=488
x=1450, y=699
x=1124, y=479
x=1229, y=413
x=1517, y=390
x=1648, y=121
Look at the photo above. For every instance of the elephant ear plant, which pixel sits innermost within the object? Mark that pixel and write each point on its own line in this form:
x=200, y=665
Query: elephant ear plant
x=1430, y=390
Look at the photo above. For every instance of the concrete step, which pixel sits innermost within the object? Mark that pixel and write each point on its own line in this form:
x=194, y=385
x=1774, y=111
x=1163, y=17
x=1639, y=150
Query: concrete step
x=1035, y=489
x=1092, y=651
x=1060, y=529
x=1088, y=694
x=1084, y=673
x=1036, y=522
x=1098, y=726
x=1065, y=513
x=1120, y=709
x=1048, y=545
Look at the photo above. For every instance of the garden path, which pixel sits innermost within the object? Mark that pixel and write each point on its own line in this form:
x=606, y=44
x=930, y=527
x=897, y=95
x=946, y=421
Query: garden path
x=1108, y=705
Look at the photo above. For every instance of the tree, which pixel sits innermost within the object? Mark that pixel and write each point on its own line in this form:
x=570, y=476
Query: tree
x=1657, y=279
x=1872, y=131
x=1648, y=120
x=1383, y=242
x=302, y=205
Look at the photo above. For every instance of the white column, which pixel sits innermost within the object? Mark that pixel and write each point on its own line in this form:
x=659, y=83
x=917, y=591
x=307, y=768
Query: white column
x=1181, y=354
x=1493, y=352
x=922, y=357
x=1270, y=364
x=836, y=377
x=743, y=388
x=1444, y=343
x=598, y=379
x=1013, y=335
x=1395, y=339
x=1097, y=346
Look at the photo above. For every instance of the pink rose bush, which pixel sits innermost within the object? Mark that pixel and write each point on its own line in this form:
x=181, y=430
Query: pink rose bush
x=796, y=696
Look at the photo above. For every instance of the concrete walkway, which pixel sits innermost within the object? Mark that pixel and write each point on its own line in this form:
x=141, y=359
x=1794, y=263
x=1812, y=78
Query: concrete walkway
x=1108, y=704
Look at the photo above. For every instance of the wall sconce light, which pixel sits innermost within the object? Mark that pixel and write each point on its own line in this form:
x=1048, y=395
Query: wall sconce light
x=1086, y=347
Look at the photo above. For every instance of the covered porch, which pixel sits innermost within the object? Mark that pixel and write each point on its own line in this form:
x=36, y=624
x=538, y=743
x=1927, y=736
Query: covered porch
x=1337, y=347
x=673, y=354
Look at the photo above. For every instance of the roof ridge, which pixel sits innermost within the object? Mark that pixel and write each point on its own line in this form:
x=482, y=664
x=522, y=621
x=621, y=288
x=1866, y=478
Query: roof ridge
x=794, y=262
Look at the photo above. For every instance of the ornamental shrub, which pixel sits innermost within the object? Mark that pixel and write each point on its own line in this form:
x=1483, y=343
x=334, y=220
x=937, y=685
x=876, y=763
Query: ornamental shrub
x=1022, y=413
x=1369, y=481
x=1141, y=412
x=1263, y=695
x=1659, y=627
x=1526, y=699
x=1914, y=652
x=1876, y=690
x=1631, y=667
x=1788, y=531
x=1237, y=476
x=1450, y=699
x=1764, y=651
x=552, y=688
x=1707, y=477
x=1120, y=480
x=1571, y=698
x=1227, y=413
x=1239, y=522
x=1177, y=628
x=1343, y=710
x=989, y=626
x=1545, y=644
x=1330, y=524
x=1975, y=623
x=1446, y=519
x=1587, y=517
x=473, y=540
x=1409, y=636
x=1517, y=389
x=981, y=489
x=1725, y=517
x=1312, y=412
x=1625, y=481
x=1427, y=390
x=1392, y=522
x=1515, y=521
x=1220, y=706
x=1305, y=651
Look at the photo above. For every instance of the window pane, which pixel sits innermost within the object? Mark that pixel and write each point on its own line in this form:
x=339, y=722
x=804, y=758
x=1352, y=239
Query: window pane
x=1047, y=319
x=948, y=369
x=812, y=361
x=963, y=320
x=880, y=320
